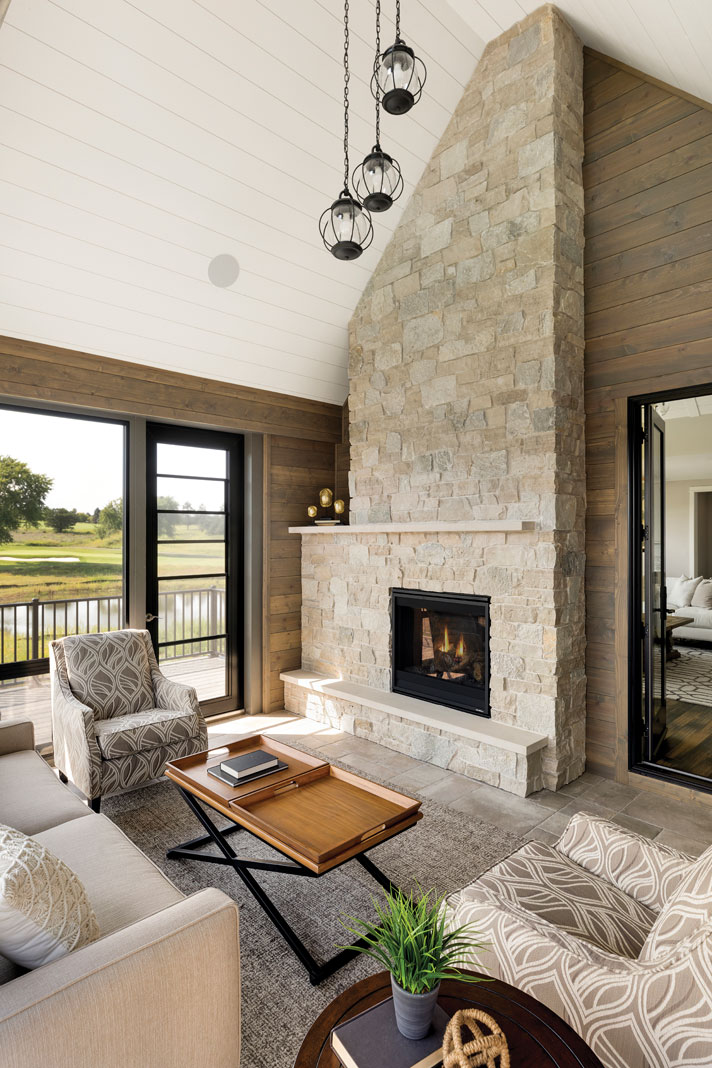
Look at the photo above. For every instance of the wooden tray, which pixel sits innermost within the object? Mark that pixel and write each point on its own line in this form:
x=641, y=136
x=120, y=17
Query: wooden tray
x=191, y=772
x=324, y=813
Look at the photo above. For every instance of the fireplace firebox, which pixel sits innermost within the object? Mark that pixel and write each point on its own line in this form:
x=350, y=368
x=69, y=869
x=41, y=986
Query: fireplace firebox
x=441, y=648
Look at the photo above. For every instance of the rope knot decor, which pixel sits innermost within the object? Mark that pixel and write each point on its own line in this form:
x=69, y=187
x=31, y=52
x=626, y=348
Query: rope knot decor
x=480, y=1051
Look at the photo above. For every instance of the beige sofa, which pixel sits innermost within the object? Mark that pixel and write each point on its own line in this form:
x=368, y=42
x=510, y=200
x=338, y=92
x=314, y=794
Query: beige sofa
x=161, y=986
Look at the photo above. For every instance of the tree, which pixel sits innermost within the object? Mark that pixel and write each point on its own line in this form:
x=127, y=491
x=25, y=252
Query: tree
x=166, y=523
x=95, y=515
x=61, y=519
x=111, y=517
x=22, y=495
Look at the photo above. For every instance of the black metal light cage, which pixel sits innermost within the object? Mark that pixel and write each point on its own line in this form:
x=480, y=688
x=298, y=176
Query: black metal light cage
x=399, y=95
x=378, y=180
x=345, y=239
x=346, y=227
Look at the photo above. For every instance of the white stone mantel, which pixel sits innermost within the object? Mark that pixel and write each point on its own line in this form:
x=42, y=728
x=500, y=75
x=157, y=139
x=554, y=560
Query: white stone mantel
x=470, y=526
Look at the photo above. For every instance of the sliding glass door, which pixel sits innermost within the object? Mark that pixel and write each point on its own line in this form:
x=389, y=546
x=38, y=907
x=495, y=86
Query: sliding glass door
x=194, y=500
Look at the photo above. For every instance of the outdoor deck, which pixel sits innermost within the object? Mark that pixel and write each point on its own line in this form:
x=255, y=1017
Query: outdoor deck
x=30, y=698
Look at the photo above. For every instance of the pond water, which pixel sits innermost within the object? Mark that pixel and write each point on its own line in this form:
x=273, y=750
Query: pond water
x=39, y=559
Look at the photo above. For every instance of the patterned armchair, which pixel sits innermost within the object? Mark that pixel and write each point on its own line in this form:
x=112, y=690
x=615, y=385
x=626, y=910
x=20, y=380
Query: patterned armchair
x=116, y=719
x=612, y=932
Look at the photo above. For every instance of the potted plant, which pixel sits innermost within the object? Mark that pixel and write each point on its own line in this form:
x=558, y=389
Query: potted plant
x=411, y=940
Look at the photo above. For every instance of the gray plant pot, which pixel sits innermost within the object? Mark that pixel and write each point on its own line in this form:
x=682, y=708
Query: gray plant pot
x=414, y=1012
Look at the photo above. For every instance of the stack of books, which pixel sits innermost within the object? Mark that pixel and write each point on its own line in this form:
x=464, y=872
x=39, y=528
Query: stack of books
x=372, y=1040
x=246, y=766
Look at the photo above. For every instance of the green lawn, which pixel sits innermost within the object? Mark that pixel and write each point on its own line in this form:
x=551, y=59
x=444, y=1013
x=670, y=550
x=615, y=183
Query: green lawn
x=96, y=569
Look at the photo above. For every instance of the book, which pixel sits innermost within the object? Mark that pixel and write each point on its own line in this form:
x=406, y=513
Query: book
x=372, y=1040
x=248, y=764
x=230, y=780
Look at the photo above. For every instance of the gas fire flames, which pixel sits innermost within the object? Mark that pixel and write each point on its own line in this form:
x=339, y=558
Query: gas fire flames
x=460, y=648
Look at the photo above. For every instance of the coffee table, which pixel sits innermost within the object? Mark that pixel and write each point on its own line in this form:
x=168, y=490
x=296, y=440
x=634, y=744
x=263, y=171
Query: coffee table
x=316, y=815
x=536, y=1036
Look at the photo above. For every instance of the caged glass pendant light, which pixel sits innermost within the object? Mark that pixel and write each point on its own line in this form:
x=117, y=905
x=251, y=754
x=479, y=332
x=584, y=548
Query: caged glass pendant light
x=346, y=227
x=399, y=75
x=378, y=180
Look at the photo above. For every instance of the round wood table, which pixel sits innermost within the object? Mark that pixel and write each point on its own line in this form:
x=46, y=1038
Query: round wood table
x=536, y=1036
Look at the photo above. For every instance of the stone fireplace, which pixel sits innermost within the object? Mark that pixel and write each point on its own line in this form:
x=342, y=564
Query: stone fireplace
x=466, y=429
x=440, y=648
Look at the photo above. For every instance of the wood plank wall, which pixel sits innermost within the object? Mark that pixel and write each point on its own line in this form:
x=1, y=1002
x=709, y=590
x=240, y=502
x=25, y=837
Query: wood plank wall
x=295, y=471
x=300, y=442
x=648, y=289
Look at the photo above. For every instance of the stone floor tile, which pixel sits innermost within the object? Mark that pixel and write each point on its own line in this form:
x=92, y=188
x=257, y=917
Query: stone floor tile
x=538, y=834
x=692, y=846
x=686, y=818
x=556, y=823
x=398, y=762
x=613, y=795
x=549, y=799
x=576, y=788
x=417, y=778
x=449, y=789
x=504, y=810
x=647, y=830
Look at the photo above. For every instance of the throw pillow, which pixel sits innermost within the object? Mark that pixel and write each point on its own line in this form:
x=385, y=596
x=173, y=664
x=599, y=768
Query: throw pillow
x=44, y=908
x=689, y=908
x=684, y=589
x=702, y=597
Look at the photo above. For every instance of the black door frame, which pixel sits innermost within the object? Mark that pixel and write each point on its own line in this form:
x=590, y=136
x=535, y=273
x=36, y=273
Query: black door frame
x=233, y=444
x=636, y=762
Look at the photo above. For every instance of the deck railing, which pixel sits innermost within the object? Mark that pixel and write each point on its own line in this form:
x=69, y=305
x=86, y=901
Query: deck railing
x=27, y=627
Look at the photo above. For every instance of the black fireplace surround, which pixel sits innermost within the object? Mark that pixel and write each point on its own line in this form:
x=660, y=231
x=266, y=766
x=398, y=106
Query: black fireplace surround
x=441, y=648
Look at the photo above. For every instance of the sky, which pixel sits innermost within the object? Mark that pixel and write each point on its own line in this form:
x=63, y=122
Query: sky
x=84, y=457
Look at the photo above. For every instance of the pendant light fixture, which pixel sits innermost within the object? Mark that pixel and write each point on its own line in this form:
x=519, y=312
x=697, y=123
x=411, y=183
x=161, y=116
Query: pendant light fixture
x=378, y=180
x=399, y=75
x=346, y=228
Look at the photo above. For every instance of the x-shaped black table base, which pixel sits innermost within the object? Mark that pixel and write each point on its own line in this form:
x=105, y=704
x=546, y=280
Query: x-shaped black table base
x=244, y=866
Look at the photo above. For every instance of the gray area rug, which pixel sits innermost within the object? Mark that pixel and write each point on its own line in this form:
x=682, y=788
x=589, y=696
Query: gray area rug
x=689, y=677
x=445, y=850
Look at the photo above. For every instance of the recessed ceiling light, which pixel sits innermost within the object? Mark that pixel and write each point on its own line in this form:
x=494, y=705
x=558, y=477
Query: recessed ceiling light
x=223, y=270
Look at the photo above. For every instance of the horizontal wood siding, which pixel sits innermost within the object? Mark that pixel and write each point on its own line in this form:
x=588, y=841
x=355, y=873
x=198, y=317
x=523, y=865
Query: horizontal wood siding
x=32, y=371
x=295, y=471
x=648, y=269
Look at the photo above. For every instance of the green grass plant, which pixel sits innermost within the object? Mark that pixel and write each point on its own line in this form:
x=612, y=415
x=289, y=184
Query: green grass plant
x=410, y=939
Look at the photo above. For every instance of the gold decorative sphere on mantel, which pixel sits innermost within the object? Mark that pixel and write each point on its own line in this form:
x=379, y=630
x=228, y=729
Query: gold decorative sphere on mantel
x=339, y=507
x=312, y=511
x=326, y=498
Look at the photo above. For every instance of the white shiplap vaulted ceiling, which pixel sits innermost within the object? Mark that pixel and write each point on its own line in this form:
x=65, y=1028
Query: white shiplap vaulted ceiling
x=141, y=138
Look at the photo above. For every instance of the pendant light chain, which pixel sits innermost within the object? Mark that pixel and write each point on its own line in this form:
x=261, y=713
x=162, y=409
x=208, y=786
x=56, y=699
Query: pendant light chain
x=397, y=20
x=375, y=68
x=347, y=76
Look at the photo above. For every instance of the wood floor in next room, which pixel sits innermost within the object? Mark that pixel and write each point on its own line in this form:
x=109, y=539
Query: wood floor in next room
x=688, y=743
x=543, y=816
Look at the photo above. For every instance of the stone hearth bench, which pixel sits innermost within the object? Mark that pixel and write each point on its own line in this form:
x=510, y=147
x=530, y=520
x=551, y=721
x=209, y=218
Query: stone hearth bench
x=480, y=748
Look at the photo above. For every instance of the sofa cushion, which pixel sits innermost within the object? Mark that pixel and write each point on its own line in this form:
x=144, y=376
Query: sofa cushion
x=688, y=909
x=702, y=597
x=649, y=872
x=110, y=673
x=540, y=880
x=683, y=590
x=122, y=884
x=45, y=912
x=122, y=735
x=31, y=796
